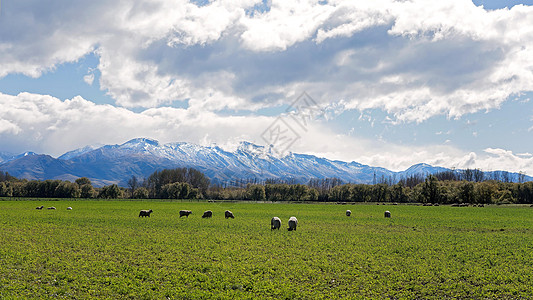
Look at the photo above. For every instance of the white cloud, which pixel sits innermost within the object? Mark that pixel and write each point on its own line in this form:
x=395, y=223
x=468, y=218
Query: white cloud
x=414, y=59
x=46, y=124
x=89, y=78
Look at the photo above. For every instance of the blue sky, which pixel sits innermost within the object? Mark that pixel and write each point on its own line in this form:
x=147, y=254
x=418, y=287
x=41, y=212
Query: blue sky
x=446, y=83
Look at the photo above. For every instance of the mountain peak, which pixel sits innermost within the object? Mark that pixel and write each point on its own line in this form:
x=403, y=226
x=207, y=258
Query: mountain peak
x=142, y=141
x=250, y=147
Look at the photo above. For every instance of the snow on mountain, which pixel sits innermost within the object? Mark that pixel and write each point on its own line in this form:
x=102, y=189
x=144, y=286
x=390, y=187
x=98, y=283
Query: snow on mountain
x=142, y=156
x=5, y=156
x=78, y=152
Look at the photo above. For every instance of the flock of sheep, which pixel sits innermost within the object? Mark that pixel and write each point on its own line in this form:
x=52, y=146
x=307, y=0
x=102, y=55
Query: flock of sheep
x=51, y=207
x=275, y=222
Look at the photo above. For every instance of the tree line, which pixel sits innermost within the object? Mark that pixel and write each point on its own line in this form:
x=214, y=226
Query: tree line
x=188, y=183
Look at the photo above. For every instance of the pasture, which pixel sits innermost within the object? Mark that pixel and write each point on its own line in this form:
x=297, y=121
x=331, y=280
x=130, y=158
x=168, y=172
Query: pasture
x=102, y=249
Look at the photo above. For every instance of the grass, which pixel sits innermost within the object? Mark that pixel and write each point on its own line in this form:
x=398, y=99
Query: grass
x=102, y=249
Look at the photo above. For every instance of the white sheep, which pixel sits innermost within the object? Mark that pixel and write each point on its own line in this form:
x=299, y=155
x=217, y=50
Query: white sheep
x=348, y=213
x=275, y=223
x=185, y=213
x=229, y=214
x=293, y=222
x=69, y=208
x=145, y=213
x=207, y=214
x=387, y=214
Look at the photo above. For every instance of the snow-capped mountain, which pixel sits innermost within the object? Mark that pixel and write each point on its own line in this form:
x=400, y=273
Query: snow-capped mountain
x=141, y=157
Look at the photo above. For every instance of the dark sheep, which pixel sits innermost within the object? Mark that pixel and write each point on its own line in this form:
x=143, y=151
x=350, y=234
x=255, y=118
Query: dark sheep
x=275, y=223
x=207, y=214
x=348, y=213
x=51, y=207
x=40, y=207
x=145, y=213
x=293, y=222
x=229, y=214
x=185, y=213
x=387, y=214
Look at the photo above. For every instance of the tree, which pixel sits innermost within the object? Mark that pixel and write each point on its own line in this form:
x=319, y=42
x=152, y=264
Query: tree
x=298, y=192
x=312, y=194
x=521, y=177
x=466, y=192
x=110, y=192
x=256, y=192
x=430, y=190
x=397, y=193
x=83, y=180
x=158, y=179
x=87, y=191
x=67, y=189
x=133, y=183
x=140, y=193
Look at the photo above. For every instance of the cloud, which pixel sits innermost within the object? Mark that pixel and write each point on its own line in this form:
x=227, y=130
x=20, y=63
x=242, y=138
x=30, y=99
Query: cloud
x=46, y=124
x=89, y=78
x=413, y=59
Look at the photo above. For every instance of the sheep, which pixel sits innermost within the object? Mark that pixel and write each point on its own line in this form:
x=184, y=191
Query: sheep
x=348, y=213
x=51, y=207
x=40, y=207
x=229, y=214
x=292, y=223
x=145, y=213
x=275, y=223
x=387, y=214
x=69, y=208
x=207, y=214
x=185, y=213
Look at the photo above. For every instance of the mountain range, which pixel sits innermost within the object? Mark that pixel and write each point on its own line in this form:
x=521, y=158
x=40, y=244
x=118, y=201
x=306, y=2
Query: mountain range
x=140, y=157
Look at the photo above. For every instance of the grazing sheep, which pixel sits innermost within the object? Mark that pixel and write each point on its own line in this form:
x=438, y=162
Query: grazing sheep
x=185, y=213
x=145, y=213
x=207, y=214
x=229, y=214
x=51, y=207
x=293, y=222
x=40, y=207
x=275, y=223
x=348, y=213
x=69, y=208
x=387, y=214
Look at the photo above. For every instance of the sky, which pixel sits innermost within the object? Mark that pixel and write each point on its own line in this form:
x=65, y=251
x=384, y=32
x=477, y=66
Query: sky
x=384, y=83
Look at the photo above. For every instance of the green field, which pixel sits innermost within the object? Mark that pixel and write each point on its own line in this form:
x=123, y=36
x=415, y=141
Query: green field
x=102, y=249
